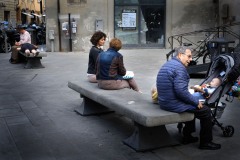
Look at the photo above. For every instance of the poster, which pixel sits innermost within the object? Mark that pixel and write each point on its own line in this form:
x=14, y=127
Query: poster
x=129, y=19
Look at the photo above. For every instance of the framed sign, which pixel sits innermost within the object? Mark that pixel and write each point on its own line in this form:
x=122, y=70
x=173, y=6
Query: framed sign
x=129, y=19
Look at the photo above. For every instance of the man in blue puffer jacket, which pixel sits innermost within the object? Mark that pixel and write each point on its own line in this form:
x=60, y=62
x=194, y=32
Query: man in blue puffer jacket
x=173, y=95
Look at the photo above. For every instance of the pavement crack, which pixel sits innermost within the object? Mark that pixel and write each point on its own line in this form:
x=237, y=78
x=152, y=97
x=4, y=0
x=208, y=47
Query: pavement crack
x=33, y=77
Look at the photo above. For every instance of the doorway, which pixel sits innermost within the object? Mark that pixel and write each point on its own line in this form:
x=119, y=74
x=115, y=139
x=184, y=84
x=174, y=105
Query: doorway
x=6, y=16
x=154, y=20
x=140, y=24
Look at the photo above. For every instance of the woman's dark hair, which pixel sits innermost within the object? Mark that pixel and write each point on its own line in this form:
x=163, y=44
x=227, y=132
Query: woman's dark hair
x=97, y=36
x=116, y=44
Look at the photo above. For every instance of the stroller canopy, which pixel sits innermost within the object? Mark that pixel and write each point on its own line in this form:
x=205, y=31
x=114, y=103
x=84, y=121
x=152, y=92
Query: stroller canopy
x=223, y=64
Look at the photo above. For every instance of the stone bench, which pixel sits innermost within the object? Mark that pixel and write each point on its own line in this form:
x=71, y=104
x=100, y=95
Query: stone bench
x=150, y=131
x=34, y=61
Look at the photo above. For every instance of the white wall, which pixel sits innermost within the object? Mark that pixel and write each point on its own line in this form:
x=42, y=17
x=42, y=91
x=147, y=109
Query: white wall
x=233, y=17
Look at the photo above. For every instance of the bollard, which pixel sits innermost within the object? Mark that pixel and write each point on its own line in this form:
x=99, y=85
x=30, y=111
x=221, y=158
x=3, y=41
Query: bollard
x=5, y=42
x=52, y=46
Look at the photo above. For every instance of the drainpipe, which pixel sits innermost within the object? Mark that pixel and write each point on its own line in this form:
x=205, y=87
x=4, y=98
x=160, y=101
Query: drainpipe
x=59, y=26
x=40, y=3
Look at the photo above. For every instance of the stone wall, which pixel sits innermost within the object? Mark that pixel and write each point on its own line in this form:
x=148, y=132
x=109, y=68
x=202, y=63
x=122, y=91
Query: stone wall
x=229, y=14
x=9, y=7
x=85, y=16
x=188, y=16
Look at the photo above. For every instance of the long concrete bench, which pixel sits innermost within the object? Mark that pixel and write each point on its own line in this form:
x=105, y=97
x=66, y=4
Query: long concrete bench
x=34, y=61
x=150, y=131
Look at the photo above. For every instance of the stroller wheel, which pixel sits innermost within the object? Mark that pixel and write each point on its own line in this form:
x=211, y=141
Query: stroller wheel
x=228, y=131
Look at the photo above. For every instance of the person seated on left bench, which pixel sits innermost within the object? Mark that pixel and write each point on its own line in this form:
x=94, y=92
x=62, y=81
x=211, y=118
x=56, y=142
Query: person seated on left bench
x=24, y=38
x=28, y=49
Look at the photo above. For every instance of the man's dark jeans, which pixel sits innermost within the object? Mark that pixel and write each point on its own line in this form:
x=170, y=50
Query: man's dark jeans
x=204, y=115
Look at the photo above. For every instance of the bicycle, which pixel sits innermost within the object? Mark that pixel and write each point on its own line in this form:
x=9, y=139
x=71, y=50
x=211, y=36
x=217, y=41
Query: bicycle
x=204, y=50
x=4, y=37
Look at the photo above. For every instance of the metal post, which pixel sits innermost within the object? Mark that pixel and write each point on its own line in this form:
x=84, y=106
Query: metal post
x=52, y=46
x=70, y=32
x=180, y=40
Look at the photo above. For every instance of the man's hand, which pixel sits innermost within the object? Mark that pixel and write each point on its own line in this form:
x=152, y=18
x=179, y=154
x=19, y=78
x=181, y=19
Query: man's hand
x=17, y=44
x=200, y=105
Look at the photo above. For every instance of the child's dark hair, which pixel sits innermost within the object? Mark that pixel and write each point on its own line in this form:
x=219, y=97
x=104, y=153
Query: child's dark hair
x=97, y=36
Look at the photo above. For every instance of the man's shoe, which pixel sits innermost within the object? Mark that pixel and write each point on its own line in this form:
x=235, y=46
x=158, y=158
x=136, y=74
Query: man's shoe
x=14, y=62
x=210, y=146
x=189, y=139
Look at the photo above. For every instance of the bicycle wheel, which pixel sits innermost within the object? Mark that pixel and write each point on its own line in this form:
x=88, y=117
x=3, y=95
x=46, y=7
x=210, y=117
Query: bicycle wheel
x=195, y=54
x=207, y=58
x=9, y=47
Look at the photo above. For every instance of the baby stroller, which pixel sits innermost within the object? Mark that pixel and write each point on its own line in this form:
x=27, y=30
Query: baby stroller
x=219, y=68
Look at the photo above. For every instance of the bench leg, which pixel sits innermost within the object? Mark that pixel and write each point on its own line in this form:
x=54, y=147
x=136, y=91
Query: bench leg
x=34, y=63
x=90, y=107
x=148, y=138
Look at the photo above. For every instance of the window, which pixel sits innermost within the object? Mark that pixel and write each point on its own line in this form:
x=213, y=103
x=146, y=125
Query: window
x=140, y=22
x=139, y=2
x=77, y=2
x=6, y=15
x=120, y=2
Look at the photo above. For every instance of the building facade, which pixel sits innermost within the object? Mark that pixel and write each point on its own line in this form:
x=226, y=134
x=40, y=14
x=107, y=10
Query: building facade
x=138, y=23
x=8, y=11
x=22, y=11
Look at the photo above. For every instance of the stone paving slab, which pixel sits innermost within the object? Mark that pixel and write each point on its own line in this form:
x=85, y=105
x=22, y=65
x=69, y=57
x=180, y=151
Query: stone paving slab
x=8, y=148
x=16, y=120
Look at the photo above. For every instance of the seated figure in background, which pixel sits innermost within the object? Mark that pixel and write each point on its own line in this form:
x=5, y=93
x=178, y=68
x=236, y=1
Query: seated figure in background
x=28, y=49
